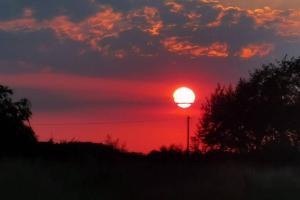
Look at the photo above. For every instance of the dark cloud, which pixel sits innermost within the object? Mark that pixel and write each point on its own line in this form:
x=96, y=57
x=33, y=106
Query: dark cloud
x=76, y=9
x=134, y=39
x=59, y=101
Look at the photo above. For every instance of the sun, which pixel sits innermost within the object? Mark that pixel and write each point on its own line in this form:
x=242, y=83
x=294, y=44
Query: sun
x=184, y=97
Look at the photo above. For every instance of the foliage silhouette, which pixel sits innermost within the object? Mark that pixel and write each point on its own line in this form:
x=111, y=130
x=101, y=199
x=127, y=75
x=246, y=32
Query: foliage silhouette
x=16, y=135
x=259, y=114
x=114, y=143
x=173, y=152
x=77, y=151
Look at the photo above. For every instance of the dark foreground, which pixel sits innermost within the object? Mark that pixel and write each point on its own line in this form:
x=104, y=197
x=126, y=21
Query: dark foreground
x=36, y=179
x=115, y=175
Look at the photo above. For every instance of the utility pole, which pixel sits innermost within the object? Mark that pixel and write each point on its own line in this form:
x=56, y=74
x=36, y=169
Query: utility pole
x=188, y=135
x=184, y=98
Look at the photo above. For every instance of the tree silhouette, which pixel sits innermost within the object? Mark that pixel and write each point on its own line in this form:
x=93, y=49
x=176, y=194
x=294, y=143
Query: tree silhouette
x=260, y=113
x=15, y=131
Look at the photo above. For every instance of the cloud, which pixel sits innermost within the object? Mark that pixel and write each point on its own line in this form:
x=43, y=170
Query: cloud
x=25, y=23
x=174, y=6
x=253, y=50
x=146, y=19
x=254, y=4
x=286, y=22
x=232, y=13
x=92, y=30
x=175, y=45
x=193, y=29
x=106, y=23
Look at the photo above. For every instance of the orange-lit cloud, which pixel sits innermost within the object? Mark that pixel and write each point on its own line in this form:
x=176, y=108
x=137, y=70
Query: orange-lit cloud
x=253, y=50
x=109, y=23
x=151, y=15
x=193, y=15
x=63, y=27
x=290, y=26
x=286, y=22
x=104, y=24
x=174, y=6
x=22, y=24
x=26, y=23
x=254, y=4
x=233, y=13
x=175, y=45
x=264, y=16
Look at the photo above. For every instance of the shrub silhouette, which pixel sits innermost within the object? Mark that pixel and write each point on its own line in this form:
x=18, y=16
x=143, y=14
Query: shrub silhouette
x=15, y=132
x=260, y=113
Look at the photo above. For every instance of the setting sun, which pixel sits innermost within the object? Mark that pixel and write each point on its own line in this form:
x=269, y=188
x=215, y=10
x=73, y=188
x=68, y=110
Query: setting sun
x=184, y=97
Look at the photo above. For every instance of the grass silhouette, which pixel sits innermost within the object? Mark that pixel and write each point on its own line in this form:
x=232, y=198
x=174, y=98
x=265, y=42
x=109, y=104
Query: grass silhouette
x=93, y=171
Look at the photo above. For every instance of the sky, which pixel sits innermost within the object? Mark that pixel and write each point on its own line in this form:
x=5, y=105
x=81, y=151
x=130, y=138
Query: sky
x=93, y=68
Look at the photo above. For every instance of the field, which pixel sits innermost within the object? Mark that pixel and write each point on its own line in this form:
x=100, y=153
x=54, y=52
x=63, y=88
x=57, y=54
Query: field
x=90, y=179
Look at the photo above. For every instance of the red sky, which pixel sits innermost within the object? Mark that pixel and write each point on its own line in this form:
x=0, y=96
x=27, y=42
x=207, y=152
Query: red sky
x=149, y=119
x=93, y=68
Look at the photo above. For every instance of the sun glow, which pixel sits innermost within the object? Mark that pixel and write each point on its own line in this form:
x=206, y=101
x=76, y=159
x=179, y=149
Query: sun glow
x=184, y=97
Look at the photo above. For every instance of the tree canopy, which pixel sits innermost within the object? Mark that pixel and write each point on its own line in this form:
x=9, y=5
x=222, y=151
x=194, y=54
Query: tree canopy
x=15, y=130
x=260, y=113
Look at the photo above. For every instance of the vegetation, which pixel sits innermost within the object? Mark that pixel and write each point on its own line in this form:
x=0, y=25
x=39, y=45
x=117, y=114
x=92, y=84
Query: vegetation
x=259, y=114
x=16, y=134
x=145, y=179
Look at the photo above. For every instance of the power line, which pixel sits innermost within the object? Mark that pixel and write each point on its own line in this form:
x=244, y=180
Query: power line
x=102, y=122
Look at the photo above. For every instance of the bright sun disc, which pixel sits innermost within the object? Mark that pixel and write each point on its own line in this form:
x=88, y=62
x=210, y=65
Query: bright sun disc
x=184, y=97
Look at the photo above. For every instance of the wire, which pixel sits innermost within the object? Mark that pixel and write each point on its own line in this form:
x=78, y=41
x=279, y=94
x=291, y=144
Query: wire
x=102, y=122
